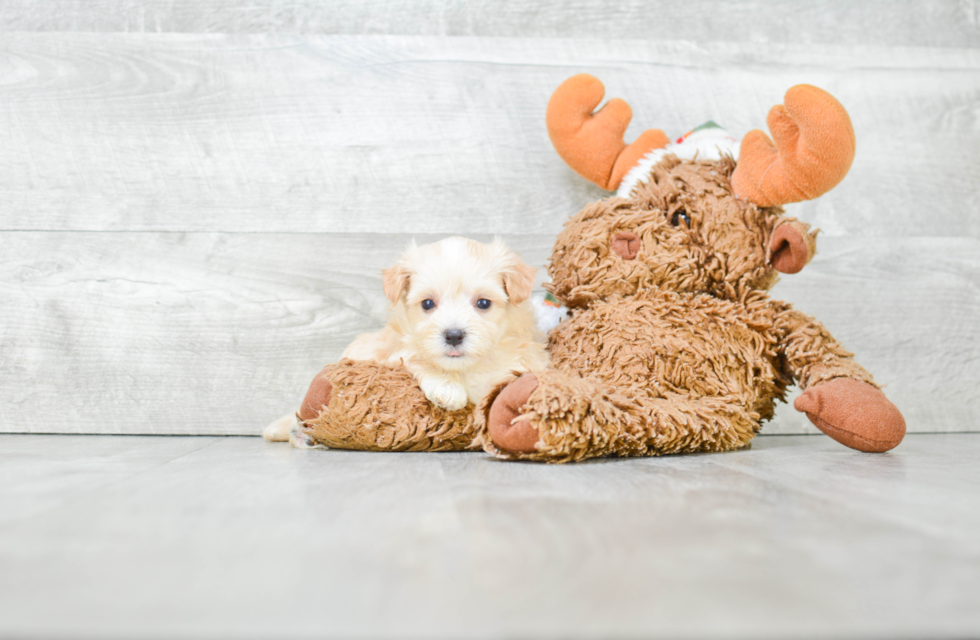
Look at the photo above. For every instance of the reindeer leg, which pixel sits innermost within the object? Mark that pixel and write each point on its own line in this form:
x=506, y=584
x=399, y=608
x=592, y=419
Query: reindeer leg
x=554, y=417
x=371, y=406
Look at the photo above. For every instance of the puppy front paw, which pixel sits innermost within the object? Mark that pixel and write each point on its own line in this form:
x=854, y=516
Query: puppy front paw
x=278, y=431
x=300, y=439
x=448, y=395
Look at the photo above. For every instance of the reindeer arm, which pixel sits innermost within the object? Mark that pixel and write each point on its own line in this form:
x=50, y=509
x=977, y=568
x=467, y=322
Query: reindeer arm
x=811, y=355
x=839, y=396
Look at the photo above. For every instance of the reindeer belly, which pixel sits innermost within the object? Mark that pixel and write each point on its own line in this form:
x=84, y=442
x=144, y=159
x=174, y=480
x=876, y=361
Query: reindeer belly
x=698, y=346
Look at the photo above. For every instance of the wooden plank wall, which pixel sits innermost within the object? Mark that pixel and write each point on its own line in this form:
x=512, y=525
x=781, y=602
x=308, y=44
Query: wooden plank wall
x=196, y=196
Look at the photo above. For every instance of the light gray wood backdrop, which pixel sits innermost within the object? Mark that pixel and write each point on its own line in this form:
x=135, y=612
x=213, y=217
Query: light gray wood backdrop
x=196, y=196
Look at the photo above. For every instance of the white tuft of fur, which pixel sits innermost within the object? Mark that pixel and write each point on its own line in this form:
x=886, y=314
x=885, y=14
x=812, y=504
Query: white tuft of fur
x=707, y=142
x=547, y=315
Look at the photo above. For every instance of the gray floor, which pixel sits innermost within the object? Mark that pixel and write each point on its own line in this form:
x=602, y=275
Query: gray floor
x=149, y=536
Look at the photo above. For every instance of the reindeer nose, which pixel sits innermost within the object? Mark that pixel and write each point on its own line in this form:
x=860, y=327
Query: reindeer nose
x=454, y=337
x=626, y=244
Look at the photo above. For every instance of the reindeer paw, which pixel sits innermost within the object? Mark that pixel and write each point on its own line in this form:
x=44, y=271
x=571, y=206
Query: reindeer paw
x=317, y=397
x=853, y=413
x=507, y=435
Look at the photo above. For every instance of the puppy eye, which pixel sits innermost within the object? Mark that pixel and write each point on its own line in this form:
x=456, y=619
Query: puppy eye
x=678, y=216
x=483, y=304
x=428, y=304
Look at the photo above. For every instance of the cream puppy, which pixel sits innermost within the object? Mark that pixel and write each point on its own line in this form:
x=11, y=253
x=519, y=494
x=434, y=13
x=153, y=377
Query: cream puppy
x=461, y=321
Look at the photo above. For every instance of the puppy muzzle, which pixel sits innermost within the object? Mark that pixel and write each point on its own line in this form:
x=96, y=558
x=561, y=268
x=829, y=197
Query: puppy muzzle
x=454, y=342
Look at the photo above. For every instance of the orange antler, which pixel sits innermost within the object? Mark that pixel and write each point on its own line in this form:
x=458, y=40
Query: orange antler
x=592, y=143
x=813, y=151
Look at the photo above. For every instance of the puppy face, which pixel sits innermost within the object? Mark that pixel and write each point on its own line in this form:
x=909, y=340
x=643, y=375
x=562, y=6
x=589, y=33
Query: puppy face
x=456, y=298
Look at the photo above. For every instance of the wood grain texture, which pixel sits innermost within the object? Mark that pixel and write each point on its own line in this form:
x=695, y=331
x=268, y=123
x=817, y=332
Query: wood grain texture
x=192, y=216
x=909, y=309
x=941, y=23
x=221, y=333
x=272, y=133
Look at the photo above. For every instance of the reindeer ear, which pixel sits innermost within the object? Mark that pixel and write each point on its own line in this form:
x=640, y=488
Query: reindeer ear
x=519, y=281
x=395, y=282
x=791, y=246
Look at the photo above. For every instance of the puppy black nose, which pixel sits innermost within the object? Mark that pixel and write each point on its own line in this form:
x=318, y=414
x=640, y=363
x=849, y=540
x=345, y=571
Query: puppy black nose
x=454, y=337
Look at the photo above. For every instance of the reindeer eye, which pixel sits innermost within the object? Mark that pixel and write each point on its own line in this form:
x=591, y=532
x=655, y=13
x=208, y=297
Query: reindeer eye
x=679, y=215
x=428, y=304
x=483, y=304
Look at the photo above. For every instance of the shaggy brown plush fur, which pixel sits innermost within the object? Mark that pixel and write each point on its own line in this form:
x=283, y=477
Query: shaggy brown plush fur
x=677, y=348
x=379, y=407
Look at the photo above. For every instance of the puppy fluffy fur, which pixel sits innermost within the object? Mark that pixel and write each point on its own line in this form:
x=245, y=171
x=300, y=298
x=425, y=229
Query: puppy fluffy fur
x=461, y=322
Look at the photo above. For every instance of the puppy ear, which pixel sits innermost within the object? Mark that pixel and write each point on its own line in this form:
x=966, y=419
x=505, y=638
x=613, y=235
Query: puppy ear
x=395, y=282
x=518, y=280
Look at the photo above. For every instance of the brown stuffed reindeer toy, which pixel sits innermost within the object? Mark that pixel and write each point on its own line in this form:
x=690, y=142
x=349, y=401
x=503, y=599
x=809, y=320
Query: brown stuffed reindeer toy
x=673, y=344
